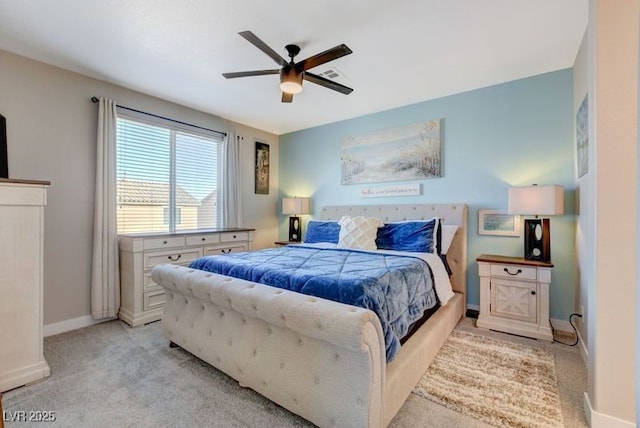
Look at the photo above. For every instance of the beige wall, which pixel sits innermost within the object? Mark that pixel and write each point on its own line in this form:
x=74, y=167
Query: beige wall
x=51, y=131
x=611, y=221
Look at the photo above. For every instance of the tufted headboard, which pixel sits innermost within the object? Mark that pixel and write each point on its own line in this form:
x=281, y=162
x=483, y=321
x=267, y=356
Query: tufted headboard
x=449, y=213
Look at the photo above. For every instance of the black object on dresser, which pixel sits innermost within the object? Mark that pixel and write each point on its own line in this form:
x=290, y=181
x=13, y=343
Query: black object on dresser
x=4, y=156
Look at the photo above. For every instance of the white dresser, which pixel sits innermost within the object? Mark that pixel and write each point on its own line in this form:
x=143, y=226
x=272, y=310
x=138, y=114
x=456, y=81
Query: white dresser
x=514, y=296
x=142, y=300
x=22, y=205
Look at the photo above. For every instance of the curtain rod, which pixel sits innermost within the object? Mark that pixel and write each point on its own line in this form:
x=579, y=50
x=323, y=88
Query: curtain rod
x=96, y=99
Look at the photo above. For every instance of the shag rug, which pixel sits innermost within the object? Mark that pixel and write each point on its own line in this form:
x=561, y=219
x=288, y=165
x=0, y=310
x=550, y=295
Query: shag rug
x=501, y=383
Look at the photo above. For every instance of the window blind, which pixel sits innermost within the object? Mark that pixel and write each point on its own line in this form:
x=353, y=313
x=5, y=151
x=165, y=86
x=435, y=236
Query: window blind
x=168, y=176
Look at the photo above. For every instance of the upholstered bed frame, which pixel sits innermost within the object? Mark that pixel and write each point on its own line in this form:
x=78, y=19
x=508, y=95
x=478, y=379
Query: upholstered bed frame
x=322, y=360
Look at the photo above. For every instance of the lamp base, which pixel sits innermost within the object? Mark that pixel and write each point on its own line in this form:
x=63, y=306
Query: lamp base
x=537, y=239
x=295, y=229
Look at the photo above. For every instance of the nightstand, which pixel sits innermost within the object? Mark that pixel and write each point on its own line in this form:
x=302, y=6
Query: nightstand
x=514, y=296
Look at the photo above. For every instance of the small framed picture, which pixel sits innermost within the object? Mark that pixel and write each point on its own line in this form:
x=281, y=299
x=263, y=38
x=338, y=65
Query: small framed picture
x=498, y=222
x=262, y=169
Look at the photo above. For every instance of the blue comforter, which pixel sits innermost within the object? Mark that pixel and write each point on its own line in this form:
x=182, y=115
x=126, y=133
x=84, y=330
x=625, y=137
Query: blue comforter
x=397, y=288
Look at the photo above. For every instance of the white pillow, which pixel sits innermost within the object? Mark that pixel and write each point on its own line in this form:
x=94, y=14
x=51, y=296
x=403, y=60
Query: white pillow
x=447, y=233
x=359, y=232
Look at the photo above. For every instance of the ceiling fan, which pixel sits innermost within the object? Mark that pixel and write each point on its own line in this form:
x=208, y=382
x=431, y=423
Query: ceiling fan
x=292, y=73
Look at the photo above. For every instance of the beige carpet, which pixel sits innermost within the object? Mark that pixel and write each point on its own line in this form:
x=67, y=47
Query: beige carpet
x=109, y=375
x=502, y=383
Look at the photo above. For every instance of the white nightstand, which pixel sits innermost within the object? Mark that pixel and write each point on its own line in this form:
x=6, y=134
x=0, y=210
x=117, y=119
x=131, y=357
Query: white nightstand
x=514, y=296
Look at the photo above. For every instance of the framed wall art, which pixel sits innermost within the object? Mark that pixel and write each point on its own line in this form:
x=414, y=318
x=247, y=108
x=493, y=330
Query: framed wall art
x=409, y=152
x=262, y=169
x=582, y=137
x=498, y=222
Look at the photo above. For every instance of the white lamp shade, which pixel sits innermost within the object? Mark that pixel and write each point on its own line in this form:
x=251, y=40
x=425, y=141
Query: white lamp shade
x=295, y=206
x=536, y=200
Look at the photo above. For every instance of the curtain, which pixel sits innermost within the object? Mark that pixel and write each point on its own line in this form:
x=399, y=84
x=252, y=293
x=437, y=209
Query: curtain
x=105, y=277
x=231, y=206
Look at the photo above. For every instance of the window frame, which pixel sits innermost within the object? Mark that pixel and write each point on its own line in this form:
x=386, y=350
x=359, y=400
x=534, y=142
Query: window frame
x=175, y=128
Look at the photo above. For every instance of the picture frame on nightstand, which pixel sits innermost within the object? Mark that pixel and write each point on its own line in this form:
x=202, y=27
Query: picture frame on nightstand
x=499, y=223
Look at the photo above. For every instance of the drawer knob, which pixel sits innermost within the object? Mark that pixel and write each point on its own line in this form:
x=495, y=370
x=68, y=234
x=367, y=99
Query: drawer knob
x=203, y=239
x=226, y=250
x=164, y=242
x=533, y=292
x=235, y=236
x=519, y=271
x=176, y=259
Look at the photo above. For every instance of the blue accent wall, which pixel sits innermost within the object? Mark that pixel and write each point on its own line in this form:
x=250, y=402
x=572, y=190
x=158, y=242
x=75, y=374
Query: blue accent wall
x=516, y=133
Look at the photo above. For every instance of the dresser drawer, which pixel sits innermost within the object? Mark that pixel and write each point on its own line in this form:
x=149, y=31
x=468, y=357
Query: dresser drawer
x=179, y=257
x=234, y=236
x=514, y=272
x=202, y=239
x=153, y=300
x=166, y=242
x=225, y=249
x=149, y=285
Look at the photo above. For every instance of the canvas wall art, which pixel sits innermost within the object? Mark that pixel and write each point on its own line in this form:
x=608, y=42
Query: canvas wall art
x=582, y=137
x=409, y=152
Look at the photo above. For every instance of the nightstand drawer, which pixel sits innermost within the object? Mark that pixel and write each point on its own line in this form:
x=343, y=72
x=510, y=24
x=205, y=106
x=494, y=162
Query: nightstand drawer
x=516, y=272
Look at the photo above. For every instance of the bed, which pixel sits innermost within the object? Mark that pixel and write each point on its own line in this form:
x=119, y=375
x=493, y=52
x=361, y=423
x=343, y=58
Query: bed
x=321, y=359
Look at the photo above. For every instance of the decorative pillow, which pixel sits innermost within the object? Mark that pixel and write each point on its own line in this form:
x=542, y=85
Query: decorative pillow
x=322, y=231
x=358, y=232
x=448, y=232
x=418, y=236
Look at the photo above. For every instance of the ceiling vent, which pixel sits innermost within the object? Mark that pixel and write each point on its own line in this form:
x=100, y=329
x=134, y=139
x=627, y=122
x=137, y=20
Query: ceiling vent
x=333, y=74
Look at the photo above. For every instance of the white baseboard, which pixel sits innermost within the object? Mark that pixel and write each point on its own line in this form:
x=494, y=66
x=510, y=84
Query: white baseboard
x=600, y=420
x=72, y=324
x=562, y=325
x=584, y=352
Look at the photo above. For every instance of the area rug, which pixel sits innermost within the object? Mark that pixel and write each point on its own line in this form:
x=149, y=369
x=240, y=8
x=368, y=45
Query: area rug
x=501, y=383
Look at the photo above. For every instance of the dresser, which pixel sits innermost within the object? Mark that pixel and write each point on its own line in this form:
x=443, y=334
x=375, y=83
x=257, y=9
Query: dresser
x=514, y=295
x=141, y=299
x=22, y=205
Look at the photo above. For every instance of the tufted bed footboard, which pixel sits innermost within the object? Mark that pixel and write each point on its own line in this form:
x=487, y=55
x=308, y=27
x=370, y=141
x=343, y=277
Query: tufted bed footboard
x=320, y=359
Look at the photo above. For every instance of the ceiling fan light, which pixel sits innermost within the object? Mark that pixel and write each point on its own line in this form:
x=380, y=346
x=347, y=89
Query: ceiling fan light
x=291, y=81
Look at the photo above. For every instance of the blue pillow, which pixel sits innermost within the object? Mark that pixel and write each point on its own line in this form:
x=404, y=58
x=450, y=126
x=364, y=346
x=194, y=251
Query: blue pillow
x=322, y=231
x=419, y=236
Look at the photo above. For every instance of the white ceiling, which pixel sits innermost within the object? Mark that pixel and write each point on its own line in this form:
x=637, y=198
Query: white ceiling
x=404, y=51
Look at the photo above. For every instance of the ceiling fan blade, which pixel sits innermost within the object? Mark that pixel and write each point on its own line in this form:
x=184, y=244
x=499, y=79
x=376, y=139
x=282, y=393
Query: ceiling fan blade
x=254, y=40
x=287, y=98
x=314, y=78
x=322, y=57
x=249, y=73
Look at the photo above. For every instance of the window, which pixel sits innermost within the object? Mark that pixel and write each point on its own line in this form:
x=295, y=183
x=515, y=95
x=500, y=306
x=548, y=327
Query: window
x=166, y=216
x=168, y=176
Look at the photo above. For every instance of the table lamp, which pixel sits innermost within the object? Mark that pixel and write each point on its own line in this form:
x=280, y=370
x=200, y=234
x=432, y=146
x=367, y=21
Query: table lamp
x=295, y=207
x=537, y=201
